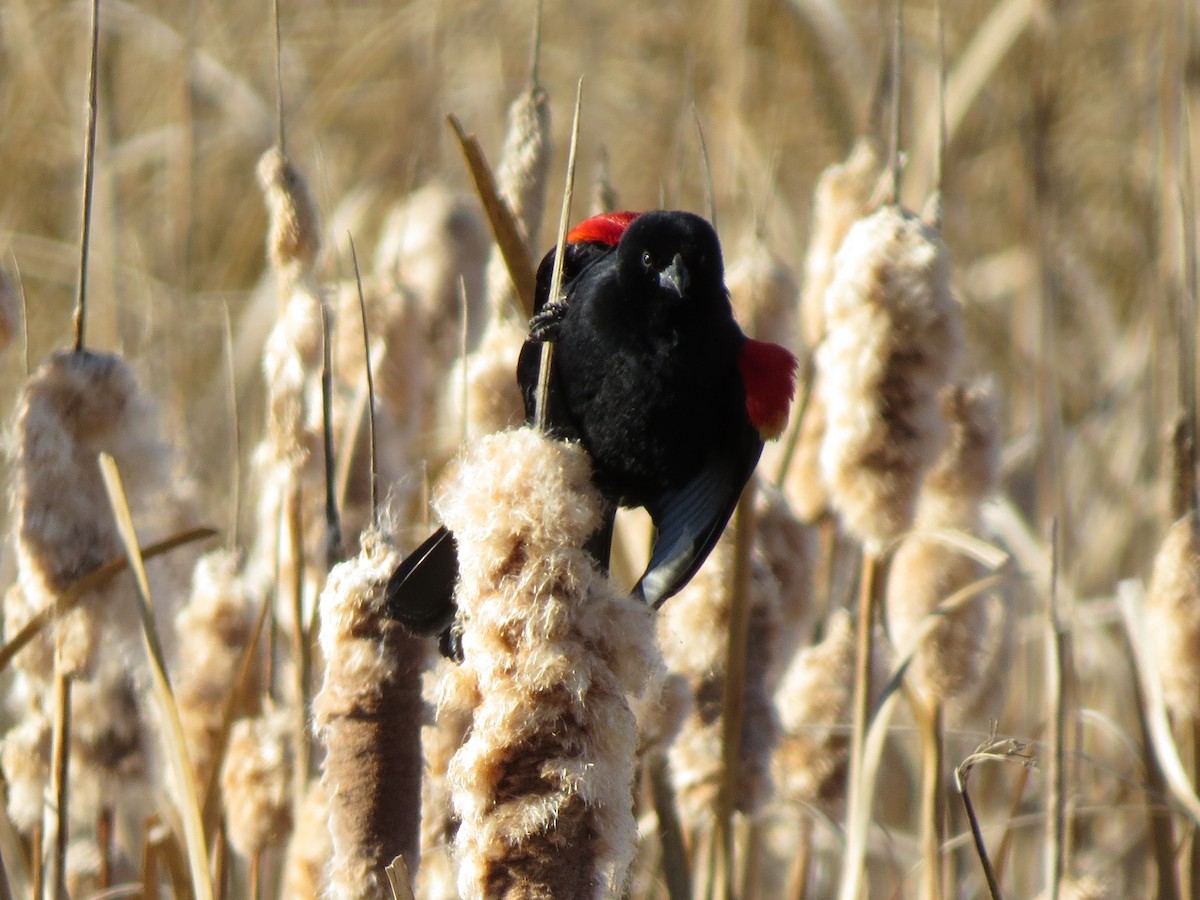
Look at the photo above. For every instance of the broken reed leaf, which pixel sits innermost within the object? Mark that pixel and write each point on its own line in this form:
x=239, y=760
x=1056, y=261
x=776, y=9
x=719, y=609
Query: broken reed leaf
x=505, y=228
x=175, y=747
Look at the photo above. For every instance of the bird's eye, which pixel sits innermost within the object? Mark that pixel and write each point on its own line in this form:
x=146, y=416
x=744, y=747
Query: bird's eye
x=647, y=260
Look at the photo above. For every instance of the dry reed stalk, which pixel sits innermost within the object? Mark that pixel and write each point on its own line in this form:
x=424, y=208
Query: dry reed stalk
x=763, y=292
x=543, y=784
x=1173, y=617
x=521, y=180
x=10, y=311
x=214, y=630
x=256, y=782
x=693, y=632
x=309, y=848
x=365, y=715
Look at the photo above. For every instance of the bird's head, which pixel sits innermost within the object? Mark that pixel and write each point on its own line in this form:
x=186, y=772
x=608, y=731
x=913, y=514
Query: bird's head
x=671, y=259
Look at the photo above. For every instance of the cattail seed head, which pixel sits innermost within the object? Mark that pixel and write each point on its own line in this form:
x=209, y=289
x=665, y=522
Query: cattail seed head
x=694, y=635
x=543, y=784
x=435, y=244
x=763, y=292
x=74, y=407
x=25, y=760
x=213, y=630
x=309, y=848
x=256, y=782
x=925, y=571
x=521, y=181
x=842, y=197
x=1173, y=616
x=893, y=338
x=813, y=702
x=366, y=716
x=294, y=237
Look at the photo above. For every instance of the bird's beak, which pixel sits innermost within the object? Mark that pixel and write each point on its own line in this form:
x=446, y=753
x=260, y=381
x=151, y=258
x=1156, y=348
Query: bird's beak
x=675, y=277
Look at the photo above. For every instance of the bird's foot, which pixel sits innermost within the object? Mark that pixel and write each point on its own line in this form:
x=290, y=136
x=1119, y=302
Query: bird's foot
x=544, y=326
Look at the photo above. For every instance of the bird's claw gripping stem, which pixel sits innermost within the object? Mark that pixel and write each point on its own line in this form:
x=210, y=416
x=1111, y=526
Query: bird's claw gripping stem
x=544, y=326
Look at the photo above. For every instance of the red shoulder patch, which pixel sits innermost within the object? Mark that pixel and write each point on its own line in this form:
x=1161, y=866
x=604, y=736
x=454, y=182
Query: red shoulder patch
x=605, y=228
x=769, y=380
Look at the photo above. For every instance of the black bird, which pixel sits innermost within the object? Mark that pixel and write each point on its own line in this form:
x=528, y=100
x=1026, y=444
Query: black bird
x=654, y=378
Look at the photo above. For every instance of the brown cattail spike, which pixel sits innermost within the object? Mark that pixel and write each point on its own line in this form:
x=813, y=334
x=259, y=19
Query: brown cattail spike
x=521, y=181
x=365, y=715
x=542, y=784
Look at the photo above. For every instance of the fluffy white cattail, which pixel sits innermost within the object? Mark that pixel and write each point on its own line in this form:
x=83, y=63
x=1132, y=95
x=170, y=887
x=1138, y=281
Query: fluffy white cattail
x=295, y=237
x=543, y=784
x=309, y=848
x=74, y=407
x=366, y=716
x=25, y=760
x=435, y=244
x=813, y=702
x=925, y=571
x=256, y=782
x=694, y=634
x=763, y=292
x=893, y=339
x=521, y=181
x=453, y=693
x=842, y=197
x=492, y=395
x=1173, y=616
x=213, y=630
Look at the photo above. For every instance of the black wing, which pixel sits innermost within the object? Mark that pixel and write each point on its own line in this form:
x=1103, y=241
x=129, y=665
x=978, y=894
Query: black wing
x=420, y=593
x=691, y=518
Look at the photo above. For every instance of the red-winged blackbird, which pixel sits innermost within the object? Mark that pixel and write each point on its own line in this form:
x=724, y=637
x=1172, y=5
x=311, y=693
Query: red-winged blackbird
x=652, y=375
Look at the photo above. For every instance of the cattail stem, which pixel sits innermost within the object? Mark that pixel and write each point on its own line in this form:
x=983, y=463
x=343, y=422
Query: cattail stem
x=235, y=431
x=993, y=880
x=800, y=863
x=89, y=162
x=104, y=840
x=733, y=689
x=55, y=885
x=752, y=861
x=1056, y=639
x=255, y=888
x=362, y=311
x=929, y=723
x=872, y=579
x=675, y=871
x=301, y=654
x=37, y=870
x=333, y=525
